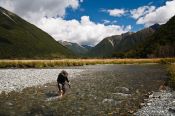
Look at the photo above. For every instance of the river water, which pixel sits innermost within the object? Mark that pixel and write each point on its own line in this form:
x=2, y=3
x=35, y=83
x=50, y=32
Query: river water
x=95, y=90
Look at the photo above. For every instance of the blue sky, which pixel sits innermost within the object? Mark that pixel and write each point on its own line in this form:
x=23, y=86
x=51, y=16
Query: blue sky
x=92, y=8
x=90, y=21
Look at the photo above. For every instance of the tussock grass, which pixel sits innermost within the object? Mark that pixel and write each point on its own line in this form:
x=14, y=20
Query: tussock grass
x=76, y=62
x=171, y=72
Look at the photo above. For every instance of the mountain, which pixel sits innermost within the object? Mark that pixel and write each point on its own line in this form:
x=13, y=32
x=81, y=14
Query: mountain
x=161, y=43
x=74, y=47
x=117, y=44
x=134, y=39
x=20, y=39
x=88, y=47
x=155, y=41
x=106, y=47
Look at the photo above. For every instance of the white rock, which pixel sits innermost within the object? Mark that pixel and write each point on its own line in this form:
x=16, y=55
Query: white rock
x=107, y=100
x=122, y=94
x=148, y=104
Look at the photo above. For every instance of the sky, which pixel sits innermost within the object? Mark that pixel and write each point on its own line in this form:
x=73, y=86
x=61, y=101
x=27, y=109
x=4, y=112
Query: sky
x=87, y=22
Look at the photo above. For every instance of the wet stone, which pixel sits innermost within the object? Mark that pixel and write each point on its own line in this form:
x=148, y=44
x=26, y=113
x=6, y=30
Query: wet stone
x=122, y=89
x=9, y=103
x=107, y=100
x=122, y=94
x=172, y=110
x=160, y=103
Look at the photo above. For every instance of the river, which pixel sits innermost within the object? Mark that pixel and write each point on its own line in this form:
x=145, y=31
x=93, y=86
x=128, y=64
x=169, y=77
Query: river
x=95, y=90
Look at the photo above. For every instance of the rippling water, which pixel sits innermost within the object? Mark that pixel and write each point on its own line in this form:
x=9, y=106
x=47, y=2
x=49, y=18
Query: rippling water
x=95, y=90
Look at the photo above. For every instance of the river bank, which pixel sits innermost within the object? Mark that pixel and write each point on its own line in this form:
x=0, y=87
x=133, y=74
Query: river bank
x=18, y=79
x=77, y=62
x=171, y=73
x=161, y=102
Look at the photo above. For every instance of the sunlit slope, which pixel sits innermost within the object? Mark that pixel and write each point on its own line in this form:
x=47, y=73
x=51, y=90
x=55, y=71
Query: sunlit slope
x=20, y=39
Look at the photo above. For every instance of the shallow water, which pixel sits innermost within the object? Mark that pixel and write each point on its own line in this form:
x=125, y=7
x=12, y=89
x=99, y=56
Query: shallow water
x=96, y=90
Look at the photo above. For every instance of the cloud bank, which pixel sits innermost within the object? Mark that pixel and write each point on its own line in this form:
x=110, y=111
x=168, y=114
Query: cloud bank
x=33, y=10
x=148, y=14
x=84, y=31
x=141, y=11
x=160, y=15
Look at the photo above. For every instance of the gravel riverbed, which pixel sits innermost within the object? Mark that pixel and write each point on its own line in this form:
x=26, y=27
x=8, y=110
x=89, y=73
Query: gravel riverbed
x=117, y=90
x=18, y=79
x=160, y=103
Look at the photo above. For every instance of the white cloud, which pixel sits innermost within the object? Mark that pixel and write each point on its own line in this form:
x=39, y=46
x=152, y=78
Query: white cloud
x=160, y=15
x=141, y=11
x=128, y=27
x=115, y=12
x=109, y=22
x=84, y=31
x=106, y=21
x=34, y=10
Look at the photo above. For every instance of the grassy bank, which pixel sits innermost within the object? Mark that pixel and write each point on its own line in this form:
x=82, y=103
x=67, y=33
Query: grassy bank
x=76, y=62
x=171, y=72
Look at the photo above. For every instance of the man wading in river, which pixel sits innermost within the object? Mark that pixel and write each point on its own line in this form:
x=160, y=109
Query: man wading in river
x=62, y=78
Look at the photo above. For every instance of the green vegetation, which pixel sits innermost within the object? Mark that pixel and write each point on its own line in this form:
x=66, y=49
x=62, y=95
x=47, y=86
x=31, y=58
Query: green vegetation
x=153, y=42
x=160, y=44
x=76, y=62
x=171, y=72
x=120, y=45
x=105, y=47
x=20, y=39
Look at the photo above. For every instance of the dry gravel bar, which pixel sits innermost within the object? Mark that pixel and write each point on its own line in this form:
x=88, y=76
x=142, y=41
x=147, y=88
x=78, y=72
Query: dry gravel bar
x=159, y=104
x=18, y=79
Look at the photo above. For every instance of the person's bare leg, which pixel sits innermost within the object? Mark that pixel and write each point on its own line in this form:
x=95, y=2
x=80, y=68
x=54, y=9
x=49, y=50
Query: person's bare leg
x=59, y=89
x=63, y=88
x=61, y=93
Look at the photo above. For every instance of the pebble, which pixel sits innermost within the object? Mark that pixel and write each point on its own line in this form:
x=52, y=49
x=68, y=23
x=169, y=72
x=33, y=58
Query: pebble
x=142, y=104
x=158, y=104
x=122, y=94
x=171, y=110
x=107, y=100
x=111, y=101
x=18, y=79
x=9, y=103
x=122, y=89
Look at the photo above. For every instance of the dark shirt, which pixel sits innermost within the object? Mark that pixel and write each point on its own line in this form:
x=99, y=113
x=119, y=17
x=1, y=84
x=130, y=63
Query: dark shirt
x=61, y=79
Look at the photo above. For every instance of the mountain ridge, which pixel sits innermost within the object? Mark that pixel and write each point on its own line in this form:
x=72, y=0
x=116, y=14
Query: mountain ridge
x=121, y=43
x=20, y=39
x=75, y=47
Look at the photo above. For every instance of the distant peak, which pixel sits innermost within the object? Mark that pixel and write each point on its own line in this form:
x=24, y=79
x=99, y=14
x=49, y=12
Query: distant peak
x=127, y=34
x=155, y=26
x=2, y=9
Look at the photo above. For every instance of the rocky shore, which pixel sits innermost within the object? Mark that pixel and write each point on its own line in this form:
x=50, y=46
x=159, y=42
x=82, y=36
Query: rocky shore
x=160, y=103
x=18, y=79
